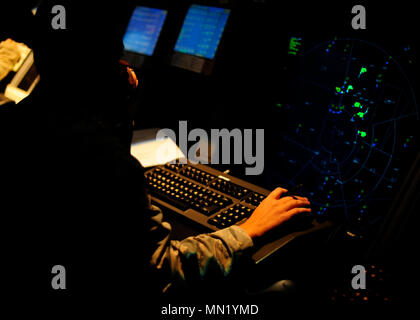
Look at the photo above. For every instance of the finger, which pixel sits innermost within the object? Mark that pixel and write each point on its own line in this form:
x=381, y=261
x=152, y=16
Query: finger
x=137, y=81
x=286, y=200
x=298, y=211
x=130, y=77
x=276, y=193
x=130, y=72
x=134, y=75
x=301, y=198
x=133, y=78
x=292, y=199
x=296, y=204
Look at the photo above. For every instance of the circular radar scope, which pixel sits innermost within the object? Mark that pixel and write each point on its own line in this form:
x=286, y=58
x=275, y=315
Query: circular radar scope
x=351, y=125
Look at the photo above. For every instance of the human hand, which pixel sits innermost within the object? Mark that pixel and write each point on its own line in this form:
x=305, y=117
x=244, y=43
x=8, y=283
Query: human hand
x=273, y=211
x=132, y=78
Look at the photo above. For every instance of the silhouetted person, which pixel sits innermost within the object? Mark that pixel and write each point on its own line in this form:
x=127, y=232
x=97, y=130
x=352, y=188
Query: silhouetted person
x=72, y=193
x=75, y=197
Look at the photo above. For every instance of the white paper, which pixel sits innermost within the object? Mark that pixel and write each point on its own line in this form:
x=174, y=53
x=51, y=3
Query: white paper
x=156, y=152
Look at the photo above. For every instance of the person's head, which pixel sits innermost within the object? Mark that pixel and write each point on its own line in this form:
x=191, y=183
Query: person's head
x=91, y=42
x=82, y=55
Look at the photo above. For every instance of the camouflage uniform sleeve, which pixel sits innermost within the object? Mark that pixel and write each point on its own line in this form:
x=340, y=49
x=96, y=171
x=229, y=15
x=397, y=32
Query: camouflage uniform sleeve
x=202, y=257
x=9, y=56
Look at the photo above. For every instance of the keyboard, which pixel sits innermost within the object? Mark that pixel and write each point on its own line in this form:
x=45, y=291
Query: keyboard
x=213, y=199
x=204, y=195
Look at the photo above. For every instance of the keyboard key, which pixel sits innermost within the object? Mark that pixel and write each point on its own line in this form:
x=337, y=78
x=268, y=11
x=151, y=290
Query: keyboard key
x=255, y=198
x=184, y=194
x=197, y=175
x=230, y=216
x=175, y=167
x=229, y=188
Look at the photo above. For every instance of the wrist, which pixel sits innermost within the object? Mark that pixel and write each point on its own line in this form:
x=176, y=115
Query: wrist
x=249, y=230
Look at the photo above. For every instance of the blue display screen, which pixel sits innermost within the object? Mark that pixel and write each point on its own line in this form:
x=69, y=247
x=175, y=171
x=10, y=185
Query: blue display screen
x=202, y=30
x=144, y=29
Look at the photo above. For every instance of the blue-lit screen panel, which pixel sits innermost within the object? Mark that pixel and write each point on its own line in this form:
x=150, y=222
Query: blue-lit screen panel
x=144, y=29
x=202, y=30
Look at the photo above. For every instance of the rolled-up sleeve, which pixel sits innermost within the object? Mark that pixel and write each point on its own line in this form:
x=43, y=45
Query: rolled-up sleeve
x=202, y=257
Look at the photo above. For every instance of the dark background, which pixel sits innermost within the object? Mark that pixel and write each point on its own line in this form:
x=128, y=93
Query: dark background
x=252, y=72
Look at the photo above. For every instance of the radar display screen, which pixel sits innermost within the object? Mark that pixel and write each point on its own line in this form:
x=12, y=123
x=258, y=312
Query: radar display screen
x=352, y=122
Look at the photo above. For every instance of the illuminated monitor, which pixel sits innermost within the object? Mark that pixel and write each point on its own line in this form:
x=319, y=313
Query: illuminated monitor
x=202, y=30
x=144, y=29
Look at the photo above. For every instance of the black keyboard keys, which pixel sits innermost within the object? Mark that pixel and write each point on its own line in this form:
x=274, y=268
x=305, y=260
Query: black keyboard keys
x=175, y=167
x=197, y=175
x=255, y=199
x=231, y=216
x=229, y=188
x=183, y=193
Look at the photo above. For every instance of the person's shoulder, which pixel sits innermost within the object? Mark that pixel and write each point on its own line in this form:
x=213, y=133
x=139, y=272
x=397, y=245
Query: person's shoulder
x=99, y=148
